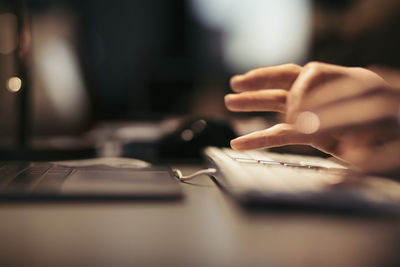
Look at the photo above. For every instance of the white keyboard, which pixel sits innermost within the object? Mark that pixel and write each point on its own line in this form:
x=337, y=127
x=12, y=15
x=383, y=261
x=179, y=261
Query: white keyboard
x=261, y=177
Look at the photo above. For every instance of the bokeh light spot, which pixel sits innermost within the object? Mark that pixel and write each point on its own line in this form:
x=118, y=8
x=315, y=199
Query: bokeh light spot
x=307, y=122
x=14, y=84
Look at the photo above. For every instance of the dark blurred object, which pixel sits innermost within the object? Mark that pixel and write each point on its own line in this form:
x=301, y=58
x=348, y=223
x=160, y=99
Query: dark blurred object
x=335, y=6
x=193, y=136
x=186, y=142
x=140, y=57
x=130, y=60
x=356, y=33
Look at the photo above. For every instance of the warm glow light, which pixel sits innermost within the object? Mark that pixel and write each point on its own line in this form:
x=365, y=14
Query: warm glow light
x=307, y=122
x=14, y=84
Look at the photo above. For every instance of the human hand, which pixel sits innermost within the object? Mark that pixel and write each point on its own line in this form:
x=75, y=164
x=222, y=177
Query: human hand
x=350, y=113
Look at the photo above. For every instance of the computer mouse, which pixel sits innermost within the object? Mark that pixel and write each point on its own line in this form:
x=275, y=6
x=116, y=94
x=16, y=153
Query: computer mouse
x=192, y=136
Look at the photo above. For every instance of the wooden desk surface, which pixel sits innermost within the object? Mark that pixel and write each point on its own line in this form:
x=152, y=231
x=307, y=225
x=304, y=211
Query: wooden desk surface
x=206, y=228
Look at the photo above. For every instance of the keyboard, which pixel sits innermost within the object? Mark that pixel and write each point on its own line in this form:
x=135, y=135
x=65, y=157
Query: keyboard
x=265, y=178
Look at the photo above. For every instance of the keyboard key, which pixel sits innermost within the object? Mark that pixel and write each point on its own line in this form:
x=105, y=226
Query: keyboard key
x=52, y=179
x=24, y=180
x=9, y=171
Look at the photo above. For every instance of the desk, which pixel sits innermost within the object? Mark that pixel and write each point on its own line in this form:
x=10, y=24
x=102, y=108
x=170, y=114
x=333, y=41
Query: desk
x=206, y=228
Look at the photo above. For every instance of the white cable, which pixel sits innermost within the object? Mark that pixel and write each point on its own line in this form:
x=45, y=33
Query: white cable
x=180, y=176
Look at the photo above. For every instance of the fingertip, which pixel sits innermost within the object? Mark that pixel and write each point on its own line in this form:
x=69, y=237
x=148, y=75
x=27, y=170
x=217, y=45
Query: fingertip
x=246, y=142
x=236, y=82
x=235, y=144
x=232, y=144
x=229, y=99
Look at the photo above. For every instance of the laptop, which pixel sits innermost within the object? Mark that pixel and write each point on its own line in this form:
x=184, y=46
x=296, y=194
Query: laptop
x=103, y=178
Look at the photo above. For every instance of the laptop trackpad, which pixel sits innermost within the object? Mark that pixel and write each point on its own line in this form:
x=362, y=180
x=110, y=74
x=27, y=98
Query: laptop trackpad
x=133, y=183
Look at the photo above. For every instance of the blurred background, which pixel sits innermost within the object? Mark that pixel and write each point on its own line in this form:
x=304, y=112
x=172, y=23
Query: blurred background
x=79, y=65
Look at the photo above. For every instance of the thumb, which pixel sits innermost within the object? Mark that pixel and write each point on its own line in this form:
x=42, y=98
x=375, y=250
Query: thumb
x=277, y=135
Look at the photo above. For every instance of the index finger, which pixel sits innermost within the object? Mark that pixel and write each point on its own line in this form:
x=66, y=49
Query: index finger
x=277, y=77
x=277, y=135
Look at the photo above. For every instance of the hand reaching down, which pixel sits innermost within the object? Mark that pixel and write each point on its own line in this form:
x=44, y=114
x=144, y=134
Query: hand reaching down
x=350, y=113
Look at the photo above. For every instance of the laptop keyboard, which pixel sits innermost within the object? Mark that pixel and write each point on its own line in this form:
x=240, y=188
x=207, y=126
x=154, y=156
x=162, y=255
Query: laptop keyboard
x=53, y=178
x=8, y=171
x=25, y=177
